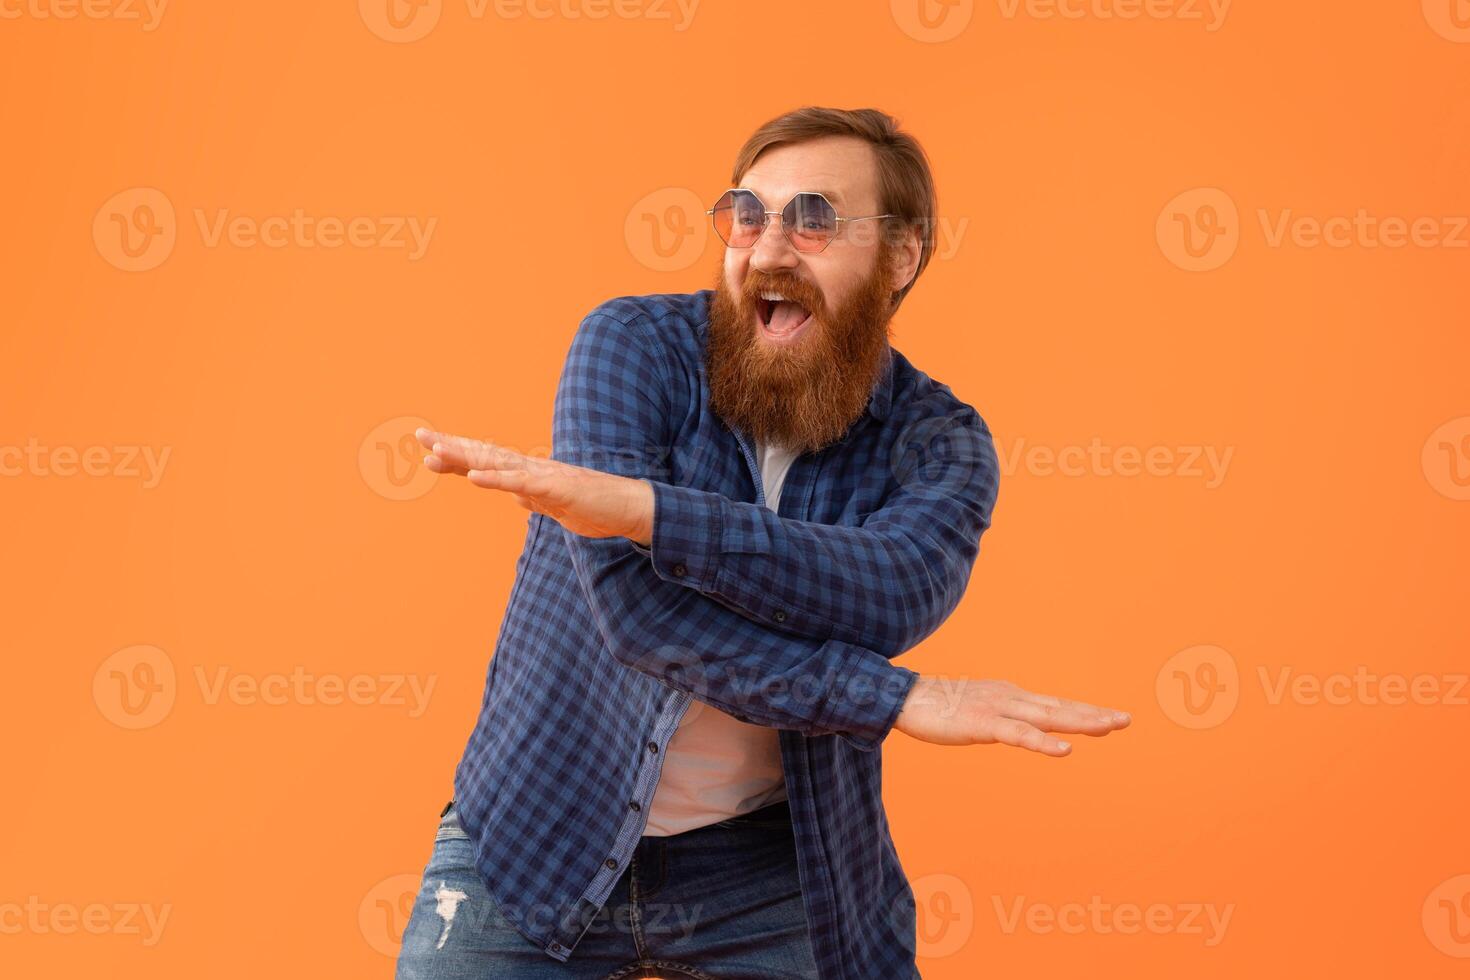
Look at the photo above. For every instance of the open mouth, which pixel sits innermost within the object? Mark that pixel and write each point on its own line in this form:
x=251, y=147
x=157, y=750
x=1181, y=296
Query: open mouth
x=781, y=319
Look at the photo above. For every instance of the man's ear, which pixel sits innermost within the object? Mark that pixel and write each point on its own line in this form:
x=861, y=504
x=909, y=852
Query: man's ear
x=904, y=258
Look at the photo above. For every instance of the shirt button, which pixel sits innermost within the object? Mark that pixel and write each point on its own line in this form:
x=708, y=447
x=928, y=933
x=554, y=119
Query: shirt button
x=610, y=863
x=634, y=806
x=556, y=947
x=780, y=615
x=680, y=570
x=653, y=747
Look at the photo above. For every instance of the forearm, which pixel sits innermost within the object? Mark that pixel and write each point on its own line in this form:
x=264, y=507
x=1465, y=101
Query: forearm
x=694, y=644
x=883, y=585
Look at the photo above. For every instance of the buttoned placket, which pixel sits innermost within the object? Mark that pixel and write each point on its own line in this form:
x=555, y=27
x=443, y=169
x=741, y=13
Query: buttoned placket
x=645, y=782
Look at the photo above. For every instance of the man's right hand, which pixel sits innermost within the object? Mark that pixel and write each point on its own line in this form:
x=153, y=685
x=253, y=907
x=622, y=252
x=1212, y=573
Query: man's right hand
x=960, y=711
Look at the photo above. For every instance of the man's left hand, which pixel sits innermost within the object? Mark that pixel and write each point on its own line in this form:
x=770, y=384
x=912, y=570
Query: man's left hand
x=584, y=501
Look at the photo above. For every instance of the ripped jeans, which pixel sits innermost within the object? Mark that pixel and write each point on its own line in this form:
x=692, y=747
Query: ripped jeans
x=720, y=902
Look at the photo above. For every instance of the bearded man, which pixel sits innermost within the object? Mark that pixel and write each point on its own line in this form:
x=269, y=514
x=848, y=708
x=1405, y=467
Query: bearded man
x=753, y=506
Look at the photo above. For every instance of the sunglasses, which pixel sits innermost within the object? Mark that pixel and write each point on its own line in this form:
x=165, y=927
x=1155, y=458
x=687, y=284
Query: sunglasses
x=808, y=220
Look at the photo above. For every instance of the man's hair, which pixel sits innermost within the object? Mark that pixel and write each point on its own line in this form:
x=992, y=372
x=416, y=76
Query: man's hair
x=905, y=183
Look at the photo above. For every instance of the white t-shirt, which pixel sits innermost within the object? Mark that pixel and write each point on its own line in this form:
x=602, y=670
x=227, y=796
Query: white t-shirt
x=717, y=766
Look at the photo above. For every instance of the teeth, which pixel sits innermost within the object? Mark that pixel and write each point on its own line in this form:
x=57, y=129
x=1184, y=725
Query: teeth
x=773, y=297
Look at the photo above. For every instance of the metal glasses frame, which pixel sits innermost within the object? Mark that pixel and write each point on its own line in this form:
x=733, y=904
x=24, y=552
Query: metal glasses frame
x=766, y=219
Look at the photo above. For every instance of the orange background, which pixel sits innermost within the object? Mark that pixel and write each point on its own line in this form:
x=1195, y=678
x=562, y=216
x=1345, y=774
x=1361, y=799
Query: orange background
x=548, y=150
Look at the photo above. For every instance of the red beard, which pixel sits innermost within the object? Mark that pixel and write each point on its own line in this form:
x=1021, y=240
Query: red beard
x=805, y=395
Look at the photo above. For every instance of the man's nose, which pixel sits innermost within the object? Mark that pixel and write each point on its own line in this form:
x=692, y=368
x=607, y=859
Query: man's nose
x=772, y=250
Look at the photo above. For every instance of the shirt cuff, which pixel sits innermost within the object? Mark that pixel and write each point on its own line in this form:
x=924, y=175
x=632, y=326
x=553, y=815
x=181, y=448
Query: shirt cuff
x=687, y=528
x=866, y=698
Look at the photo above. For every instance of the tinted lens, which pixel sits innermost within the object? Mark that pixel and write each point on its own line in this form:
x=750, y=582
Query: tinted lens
x=810, y=222
x=739, y=217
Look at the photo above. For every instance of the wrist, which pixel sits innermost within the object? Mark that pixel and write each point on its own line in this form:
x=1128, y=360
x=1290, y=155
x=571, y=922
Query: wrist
x=640, y=524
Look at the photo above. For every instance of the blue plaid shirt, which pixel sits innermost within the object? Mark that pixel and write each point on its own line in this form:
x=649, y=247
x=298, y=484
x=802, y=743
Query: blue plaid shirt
x=787, y=619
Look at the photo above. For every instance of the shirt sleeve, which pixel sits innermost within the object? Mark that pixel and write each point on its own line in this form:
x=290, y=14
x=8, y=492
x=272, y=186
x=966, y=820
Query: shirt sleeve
x=886, y=584
x=612, y=413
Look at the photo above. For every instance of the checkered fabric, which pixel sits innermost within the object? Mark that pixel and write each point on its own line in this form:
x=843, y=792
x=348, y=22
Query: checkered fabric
x=788, y=619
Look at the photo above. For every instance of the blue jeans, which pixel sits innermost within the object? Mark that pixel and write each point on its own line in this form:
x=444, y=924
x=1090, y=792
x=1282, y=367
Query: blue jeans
x=720, y=902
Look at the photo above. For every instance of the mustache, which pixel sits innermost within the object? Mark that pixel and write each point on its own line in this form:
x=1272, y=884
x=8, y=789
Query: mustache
x=806, y=294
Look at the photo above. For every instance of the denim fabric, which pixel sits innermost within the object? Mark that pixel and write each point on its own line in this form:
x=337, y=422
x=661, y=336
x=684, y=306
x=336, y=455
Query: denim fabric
x=790, y=619
x=721, y=902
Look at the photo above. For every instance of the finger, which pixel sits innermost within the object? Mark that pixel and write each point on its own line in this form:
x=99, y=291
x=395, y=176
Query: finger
x=476, y=455
x=1116, y=718
x=1058, y=717
x=1012, y=731
x=427, y=437
x=513, y=481
x=440, y=465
